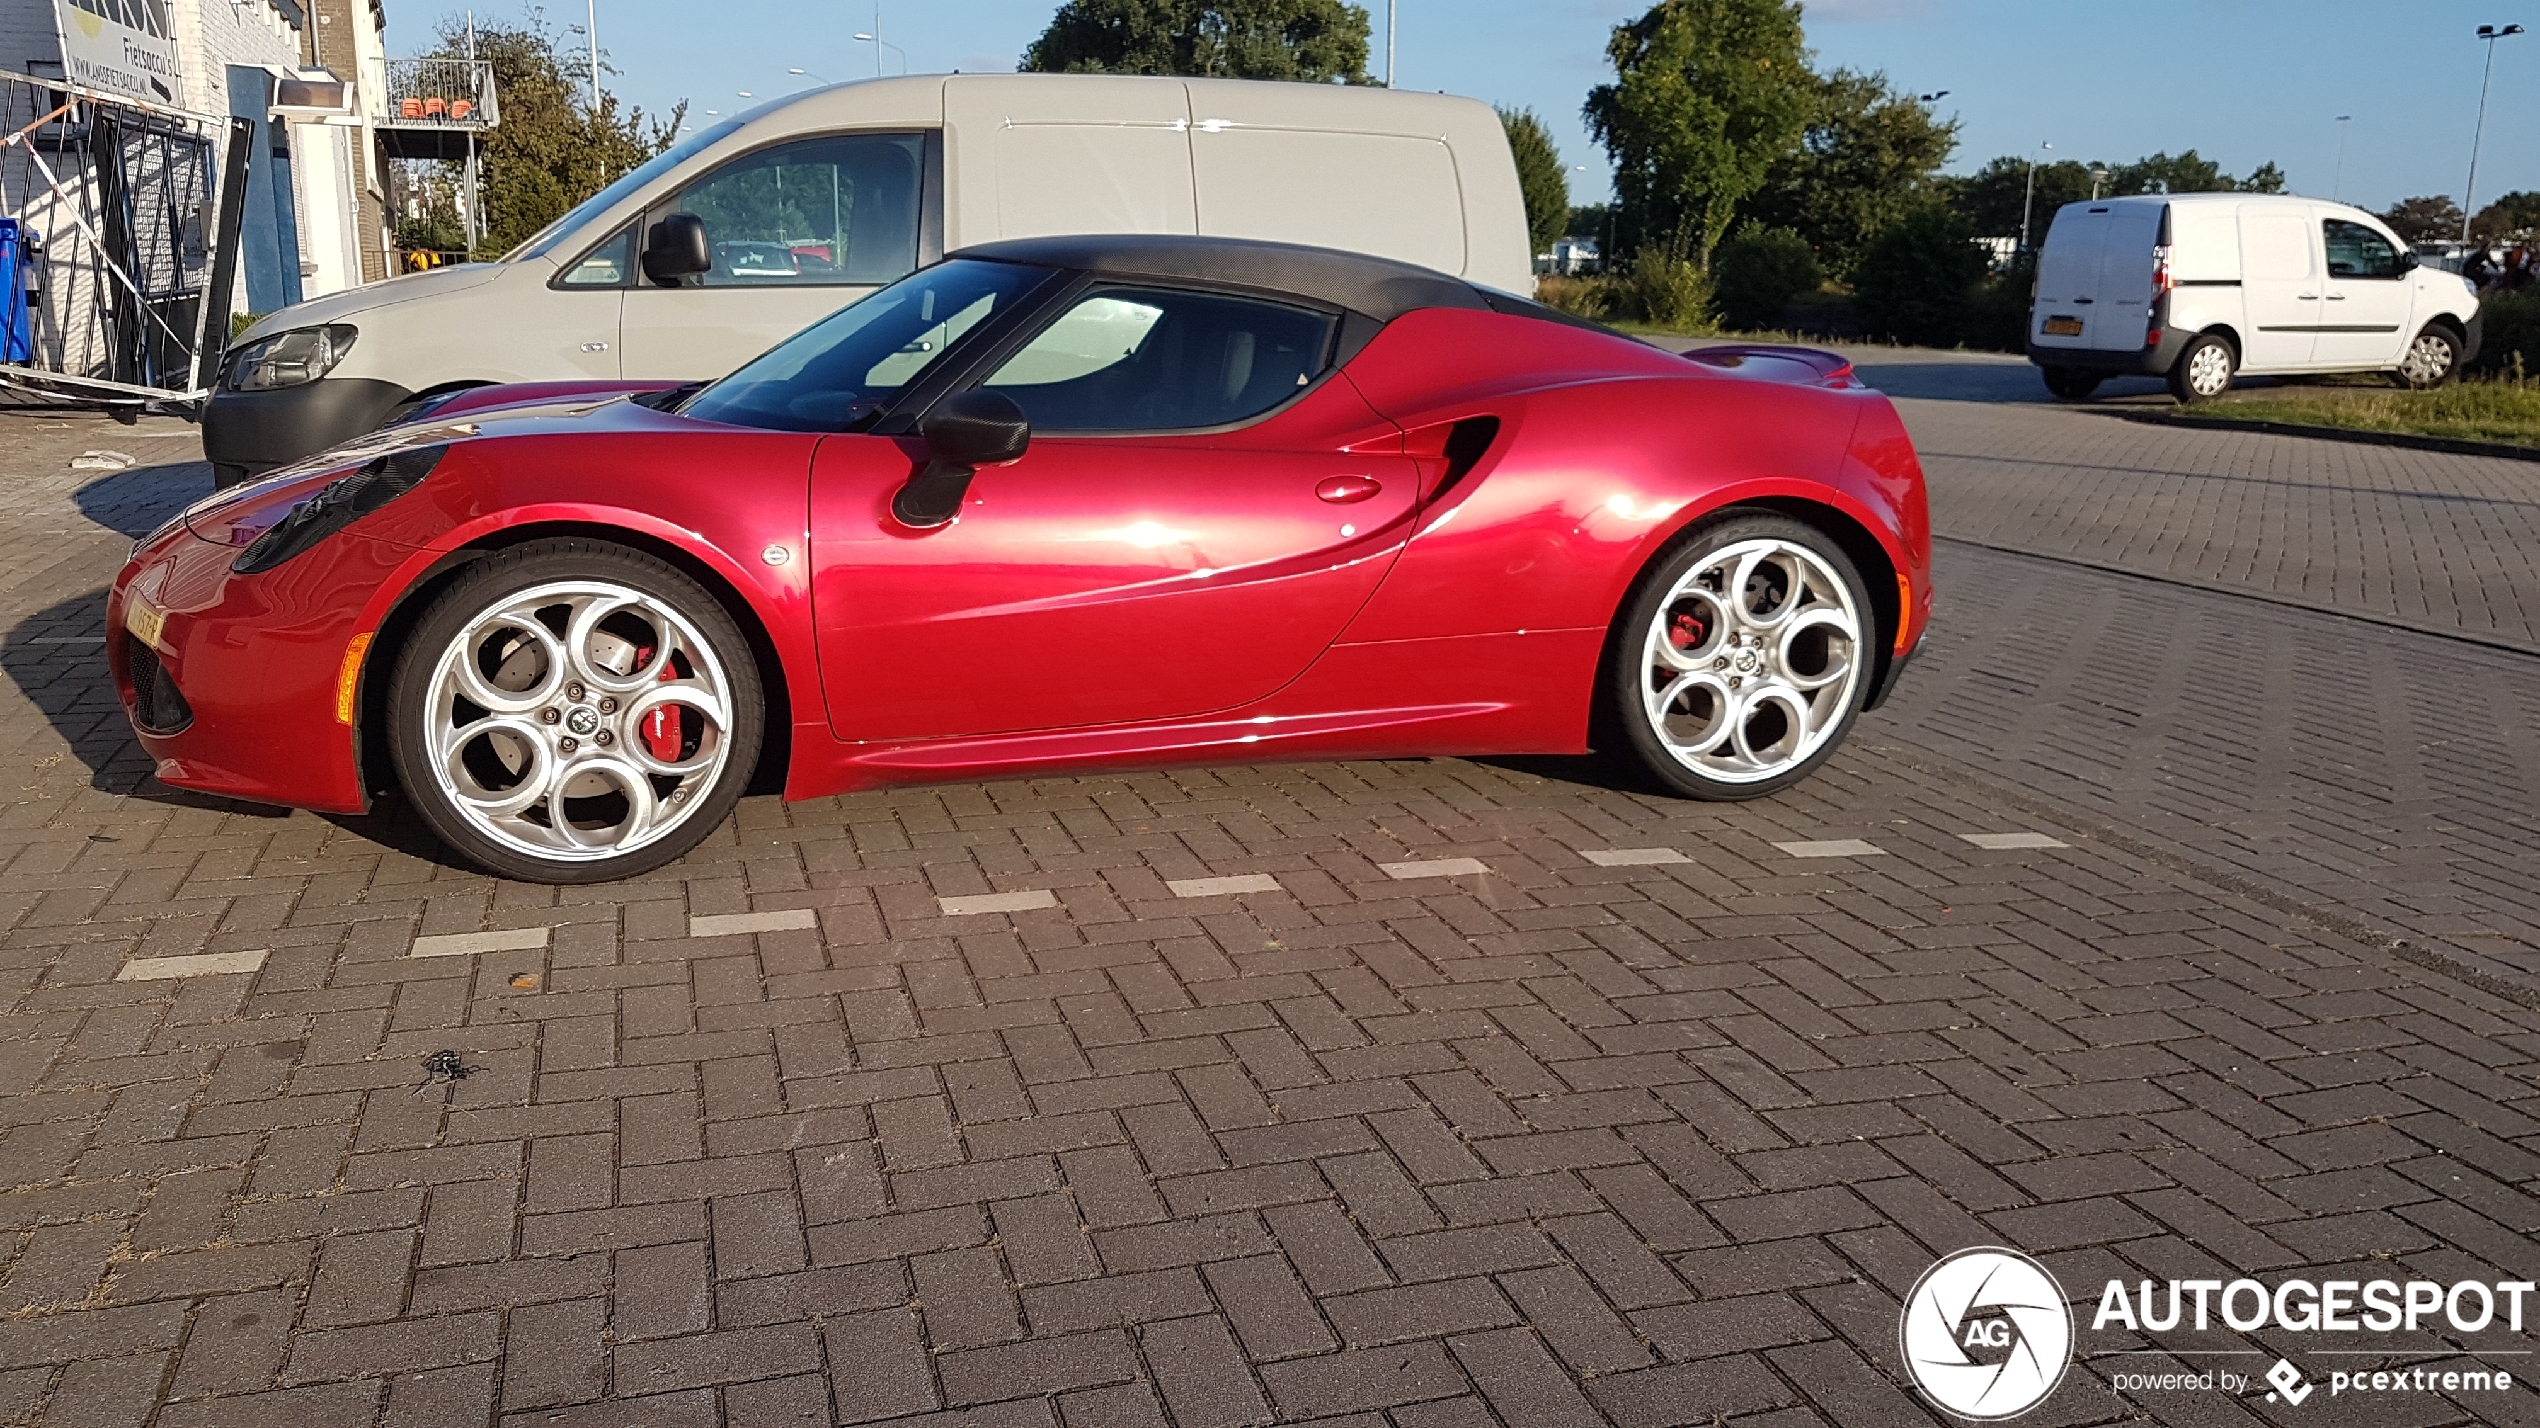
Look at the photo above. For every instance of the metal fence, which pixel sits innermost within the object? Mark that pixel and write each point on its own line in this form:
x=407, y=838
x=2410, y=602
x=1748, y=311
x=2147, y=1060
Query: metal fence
x=457, y=92
x=116, y=200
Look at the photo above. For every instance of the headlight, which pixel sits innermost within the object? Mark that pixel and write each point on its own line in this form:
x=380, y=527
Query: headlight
x=289, y=359
x=338, y=504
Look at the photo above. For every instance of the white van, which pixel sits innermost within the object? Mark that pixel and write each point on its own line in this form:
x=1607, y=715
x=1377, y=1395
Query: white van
x=742, y=233
x=2199, y=287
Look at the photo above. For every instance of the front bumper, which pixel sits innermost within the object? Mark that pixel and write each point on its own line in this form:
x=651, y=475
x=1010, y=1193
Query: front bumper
x=258, y=431
x=256, y=659
x=2153, y=361
x=2474, y=337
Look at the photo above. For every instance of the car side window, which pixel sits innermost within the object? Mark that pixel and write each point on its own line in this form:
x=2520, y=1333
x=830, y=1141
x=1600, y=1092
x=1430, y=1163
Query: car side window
x=2355, y=251
x=607, y=266
x=840, y=209
x=1164, y=359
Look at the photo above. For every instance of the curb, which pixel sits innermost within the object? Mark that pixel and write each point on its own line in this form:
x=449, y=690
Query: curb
x=2451, y=446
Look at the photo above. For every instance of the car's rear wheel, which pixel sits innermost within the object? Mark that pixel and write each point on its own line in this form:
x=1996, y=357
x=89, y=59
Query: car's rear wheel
x=2204, y=371
x=1743, y=658
x=2073, y=384
x=2432, y=360
x=574, y=712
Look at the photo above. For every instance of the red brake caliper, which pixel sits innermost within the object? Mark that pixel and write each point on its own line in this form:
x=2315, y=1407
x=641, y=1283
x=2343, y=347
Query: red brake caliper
x=663, y=731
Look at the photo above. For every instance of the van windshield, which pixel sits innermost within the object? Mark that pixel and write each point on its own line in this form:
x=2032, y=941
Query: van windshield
x=843, y=370
x=629, y=182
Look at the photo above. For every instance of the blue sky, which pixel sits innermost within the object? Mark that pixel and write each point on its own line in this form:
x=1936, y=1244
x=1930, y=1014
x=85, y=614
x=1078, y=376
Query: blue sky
x=2240, y=81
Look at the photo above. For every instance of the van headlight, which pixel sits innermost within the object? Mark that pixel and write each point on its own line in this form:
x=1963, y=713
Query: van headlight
x=289, y=359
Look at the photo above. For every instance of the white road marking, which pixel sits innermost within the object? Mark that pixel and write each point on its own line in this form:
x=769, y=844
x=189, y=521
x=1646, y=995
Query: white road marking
x=205, y=964
x=1441, y=868
x=997, y=902
x=2000, y=841
x=1633, y=857
x=1832, y=848
x=469, y=944
x=1219, y=887
x=724, y=924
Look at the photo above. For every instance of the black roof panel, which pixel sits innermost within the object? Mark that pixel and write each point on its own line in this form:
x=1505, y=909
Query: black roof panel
x=1381, y=288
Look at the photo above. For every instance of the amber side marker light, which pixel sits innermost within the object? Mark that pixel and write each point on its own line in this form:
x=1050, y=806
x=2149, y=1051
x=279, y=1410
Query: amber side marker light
x=1904, y=622
x=348, y=680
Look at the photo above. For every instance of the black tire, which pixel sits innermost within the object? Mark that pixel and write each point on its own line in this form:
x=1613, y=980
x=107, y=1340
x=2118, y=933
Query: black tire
x=2433, y=359
x=2072, y=384
x=1637, y=675
x=2193, y=376
x=710, y=657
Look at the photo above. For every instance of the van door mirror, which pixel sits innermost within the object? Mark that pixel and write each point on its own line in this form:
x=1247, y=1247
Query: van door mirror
x=964, y=432
x=676, y=248
x=2408, y=261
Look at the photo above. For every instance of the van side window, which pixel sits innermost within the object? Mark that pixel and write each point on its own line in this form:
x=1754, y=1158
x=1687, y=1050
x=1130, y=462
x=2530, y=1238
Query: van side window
x=2355, y=251
x=836, y=210
x=1162, y=359
x=607, y=266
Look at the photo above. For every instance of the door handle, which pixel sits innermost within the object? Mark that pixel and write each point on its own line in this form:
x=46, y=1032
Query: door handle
x=2308, y=297
x=2336, y=297
x=1347, y=490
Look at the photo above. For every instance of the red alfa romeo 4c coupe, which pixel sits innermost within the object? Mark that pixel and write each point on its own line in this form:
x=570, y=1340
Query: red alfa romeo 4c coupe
x=1055, y=504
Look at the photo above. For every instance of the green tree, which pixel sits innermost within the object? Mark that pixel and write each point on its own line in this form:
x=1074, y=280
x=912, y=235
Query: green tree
x=1918, y=277
x=2424, y=219
x=1314, y=40
x=1992, y=197
x=1541, y=180
x=2265, y=178
x=552, y=149
x=1706, y=95
x=1867, y=156
x=1758, y=271
x=2512, y=216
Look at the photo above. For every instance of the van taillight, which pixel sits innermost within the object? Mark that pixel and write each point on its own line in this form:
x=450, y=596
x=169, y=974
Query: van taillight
x=2162, y=282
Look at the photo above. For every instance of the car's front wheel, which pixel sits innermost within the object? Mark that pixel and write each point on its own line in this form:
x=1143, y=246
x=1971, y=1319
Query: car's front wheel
x=574, y=712
x=1743, y=658
x=2433, y=359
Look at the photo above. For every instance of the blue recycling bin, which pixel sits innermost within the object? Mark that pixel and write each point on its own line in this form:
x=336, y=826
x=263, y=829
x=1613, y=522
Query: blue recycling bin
x=17, y=325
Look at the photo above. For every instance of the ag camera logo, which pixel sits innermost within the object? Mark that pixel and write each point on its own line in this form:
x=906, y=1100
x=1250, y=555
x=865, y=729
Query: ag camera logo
x=1986, y=1333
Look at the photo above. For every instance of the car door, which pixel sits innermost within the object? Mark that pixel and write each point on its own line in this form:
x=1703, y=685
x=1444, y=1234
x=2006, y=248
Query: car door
x=2364, y=306
x=1200, y=512
x=579, y=314
x=796, y=230
x=2279, y=287
x=1076, y=153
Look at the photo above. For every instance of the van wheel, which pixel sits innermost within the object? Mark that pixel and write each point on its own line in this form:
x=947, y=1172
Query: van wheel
x=2204, y=371
x=2433, y=360
x=2072, y=383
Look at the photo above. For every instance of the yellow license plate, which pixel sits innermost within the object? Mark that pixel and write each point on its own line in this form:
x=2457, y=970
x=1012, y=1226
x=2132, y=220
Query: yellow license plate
x=2063, y=327
x=144, y=621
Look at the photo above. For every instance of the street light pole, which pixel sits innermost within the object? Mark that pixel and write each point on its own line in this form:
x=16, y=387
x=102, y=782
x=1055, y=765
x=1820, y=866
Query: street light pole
x=1389, y=4
x=2031, y=195
x=591, y=30
x=2337, y=185
x=2469, y=190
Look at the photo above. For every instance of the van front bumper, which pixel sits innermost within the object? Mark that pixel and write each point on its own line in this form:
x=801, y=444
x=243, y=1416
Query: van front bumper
x=2153, y=361
x=254, y=432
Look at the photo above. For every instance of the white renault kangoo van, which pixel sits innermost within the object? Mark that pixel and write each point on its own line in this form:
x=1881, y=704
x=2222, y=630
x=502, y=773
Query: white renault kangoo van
x=742, y=233
x=2199, y=287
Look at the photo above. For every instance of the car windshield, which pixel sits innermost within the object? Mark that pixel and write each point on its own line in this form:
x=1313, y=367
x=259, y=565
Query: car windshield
x=842, y=370
x=630, y=181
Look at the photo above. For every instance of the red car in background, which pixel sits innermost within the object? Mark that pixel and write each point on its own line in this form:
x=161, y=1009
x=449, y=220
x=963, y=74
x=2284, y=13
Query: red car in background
x=1050, y=505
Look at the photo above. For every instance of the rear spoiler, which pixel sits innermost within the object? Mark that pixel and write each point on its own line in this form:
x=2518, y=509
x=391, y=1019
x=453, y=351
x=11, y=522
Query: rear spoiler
x=1803, y=366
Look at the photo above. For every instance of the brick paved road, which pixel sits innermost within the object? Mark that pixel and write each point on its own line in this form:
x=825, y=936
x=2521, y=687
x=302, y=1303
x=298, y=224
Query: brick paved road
x=1576, y=1139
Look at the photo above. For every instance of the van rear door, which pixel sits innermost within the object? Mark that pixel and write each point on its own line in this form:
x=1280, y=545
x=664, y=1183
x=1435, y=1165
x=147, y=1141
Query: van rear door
x=2068, y=278
x=2125, y=276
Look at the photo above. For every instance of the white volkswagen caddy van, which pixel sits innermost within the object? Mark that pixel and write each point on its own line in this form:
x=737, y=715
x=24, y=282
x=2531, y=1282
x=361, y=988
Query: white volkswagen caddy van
x=2198, y=287
x=742, y=233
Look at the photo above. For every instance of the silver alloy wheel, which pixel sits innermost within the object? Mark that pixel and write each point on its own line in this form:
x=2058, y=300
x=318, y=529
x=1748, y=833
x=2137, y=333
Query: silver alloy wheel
x=2429, y=360
x=577, y=720
x=1751, y=662
x=2209, y=370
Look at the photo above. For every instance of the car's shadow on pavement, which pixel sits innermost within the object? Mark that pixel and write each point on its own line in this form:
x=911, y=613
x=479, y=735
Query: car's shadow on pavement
x=140, y=499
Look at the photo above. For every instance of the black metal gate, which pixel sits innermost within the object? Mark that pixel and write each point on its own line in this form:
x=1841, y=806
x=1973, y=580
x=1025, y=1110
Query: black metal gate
x=155, y=194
